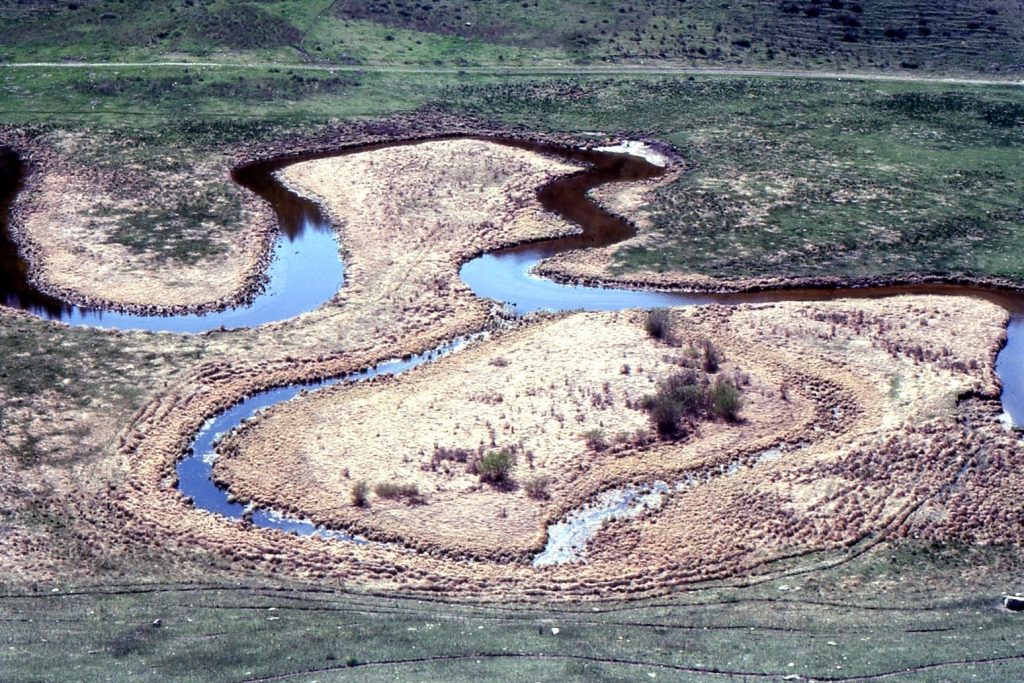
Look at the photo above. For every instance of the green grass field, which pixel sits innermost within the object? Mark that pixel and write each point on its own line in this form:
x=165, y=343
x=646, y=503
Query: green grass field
x=928, y=614
x=793, y=177
x=922, y=35
x=809, y=178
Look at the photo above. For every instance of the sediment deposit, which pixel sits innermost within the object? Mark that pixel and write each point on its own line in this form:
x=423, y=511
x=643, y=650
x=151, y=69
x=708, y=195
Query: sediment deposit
x=67, y=217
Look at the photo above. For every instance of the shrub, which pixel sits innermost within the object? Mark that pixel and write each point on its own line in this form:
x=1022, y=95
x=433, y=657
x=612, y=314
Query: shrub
x=711, y=357
x=666, y=414
x=537, y=487
x=688, y=395
x=442, y=453
x=496, y=466
x=726, y=400
x=681, y=394
x=596, y=440
x=360, y=492
x=687, y=389
x=389, y=490
x=658, y=323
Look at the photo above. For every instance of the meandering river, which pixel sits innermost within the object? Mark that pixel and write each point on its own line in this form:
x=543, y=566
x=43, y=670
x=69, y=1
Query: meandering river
x=307, y=271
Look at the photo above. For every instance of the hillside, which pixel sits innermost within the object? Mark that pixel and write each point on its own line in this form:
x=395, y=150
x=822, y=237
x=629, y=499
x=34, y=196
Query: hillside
x=919, y=35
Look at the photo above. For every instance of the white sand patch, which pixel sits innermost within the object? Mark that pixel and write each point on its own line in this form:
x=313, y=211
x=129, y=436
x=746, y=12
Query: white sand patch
x=637, y=148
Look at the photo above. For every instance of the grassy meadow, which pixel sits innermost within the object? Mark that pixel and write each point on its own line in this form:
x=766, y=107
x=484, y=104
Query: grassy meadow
x=790, y=177
x=902, y=611
x=919, y=36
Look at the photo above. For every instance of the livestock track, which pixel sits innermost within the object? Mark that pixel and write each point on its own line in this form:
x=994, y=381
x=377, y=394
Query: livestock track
x=554, y=70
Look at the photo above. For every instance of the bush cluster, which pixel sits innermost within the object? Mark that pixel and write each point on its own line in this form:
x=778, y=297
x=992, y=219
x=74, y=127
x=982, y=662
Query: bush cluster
x=537, y=487
x=360, y=494
x=658, y=324
x=596, y=439
x=686, y=396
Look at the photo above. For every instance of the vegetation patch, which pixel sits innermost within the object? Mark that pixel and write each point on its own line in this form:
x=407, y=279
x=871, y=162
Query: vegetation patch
x=788, y=180
x=685, y=397
x=392, y=491
x=495, y=467
x=744, y=32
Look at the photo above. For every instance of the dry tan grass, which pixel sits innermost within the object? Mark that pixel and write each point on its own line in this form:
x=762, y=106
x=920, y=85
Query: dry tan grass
x=536, y=392
x=862, y=458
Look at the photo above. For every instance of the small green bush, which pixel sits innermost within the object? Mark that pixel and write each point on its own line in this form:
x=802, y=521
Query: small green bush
x=711, y=357
x=688, y=395
x=596, y=440
x=496, y=466
x=666, y=414
x=537, y=487
x=726, y=400
x=392, y=491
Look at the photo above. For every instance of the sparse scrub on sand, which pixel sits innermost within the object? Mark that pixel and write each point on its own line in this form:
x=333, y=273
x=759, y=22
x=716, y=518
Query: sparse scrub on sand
x=658, y=324
x=726, y=400
x=393, y=491
x=444, y=454
x=596, y=439
x=538, y=487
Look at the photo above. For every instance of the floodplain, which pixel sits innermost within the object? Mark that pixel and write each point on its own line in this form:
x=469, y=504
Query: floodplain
x=780, y=441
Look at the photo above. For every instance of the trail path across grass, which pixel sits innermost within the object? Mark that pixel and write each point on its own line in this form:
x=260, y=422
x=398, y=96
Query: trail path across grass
x=609, y=70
